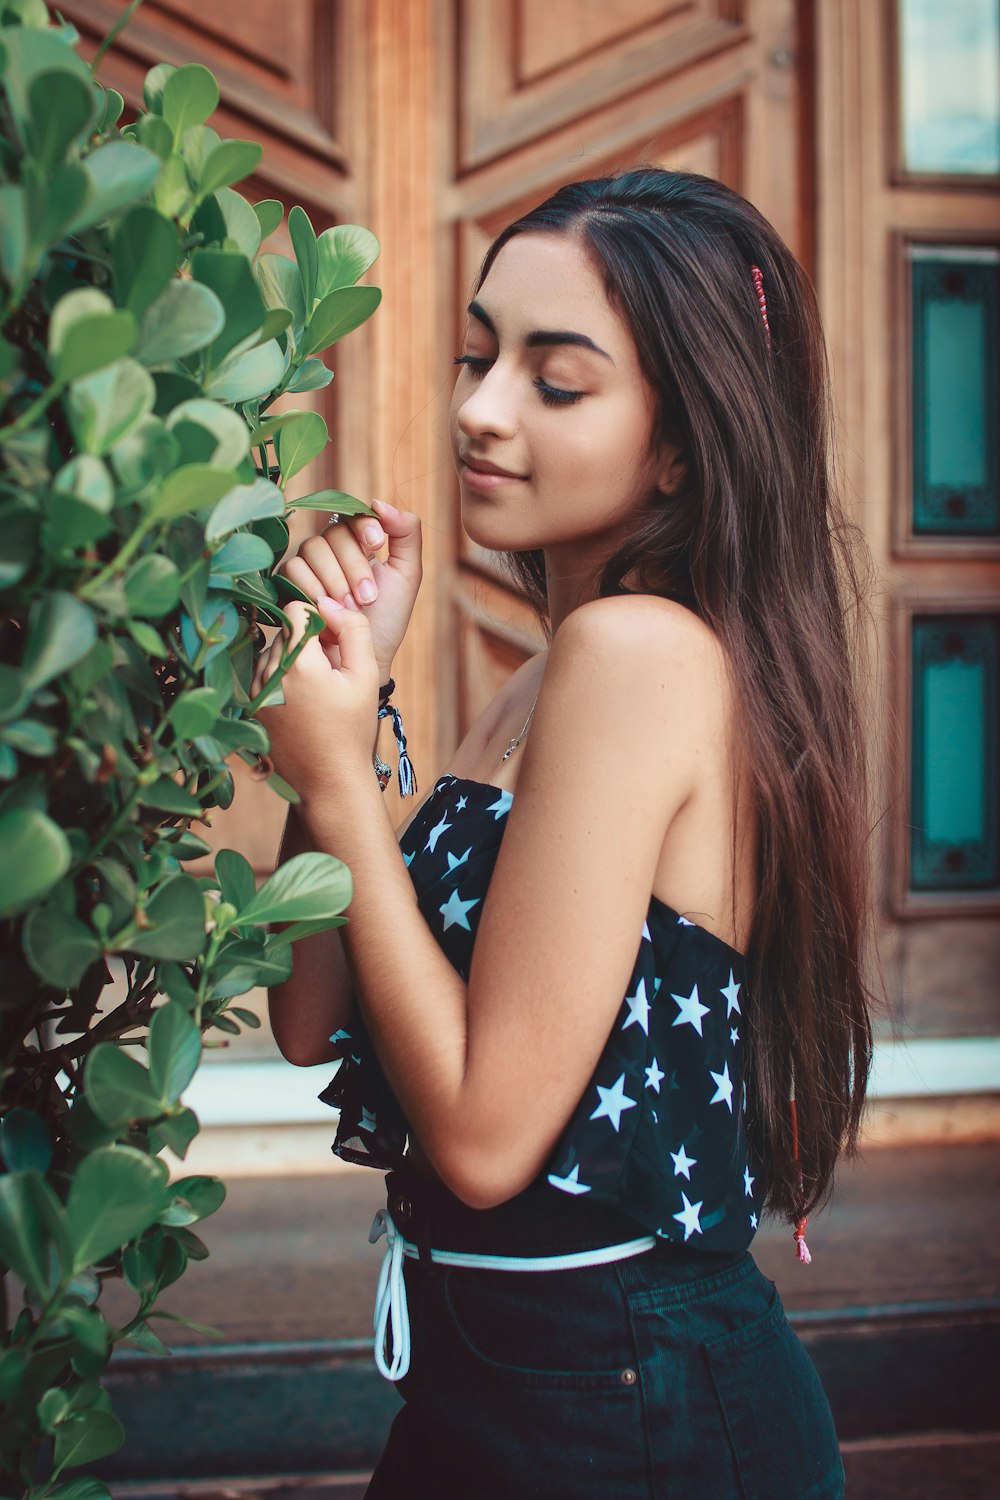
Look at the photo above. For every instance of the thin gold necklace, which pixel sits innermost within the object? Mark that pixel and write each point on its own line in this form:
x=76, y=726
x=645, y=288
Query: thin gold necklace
x=518, y=737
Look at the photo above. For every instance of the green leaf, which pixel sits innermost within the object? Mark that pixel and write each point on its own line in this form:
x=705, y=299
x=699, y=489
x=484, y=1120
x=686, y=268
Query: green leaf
x=172, y=191
x=241, y=553
x=191, y=488
x=185, y=317
x=228, y=437
x=218, y=620
x=61, y=630
x=155, y=134
x=248, y=376
x=148, y=639
x=80, y=1489
x=269, y=214
x=154, y=84
x=118, y=1088
x=116, y=1192
x=166, y=795
x=241, y=966
x=190, y=94
x=331, y=500
x=61, y=107
x=299, y=442
x=194, y=713
x=345, y=253
x=36, y=854
x=279, y=785
x=59, y=947
x=25, y=1141
x=30, y=736
x=241, y=223
x=230, y=162
x=304, y=244
x=118, y=174
x=313, y=376
x=174, y=1050
x=91, y=1435
x=13, y=231
x=205, y=1194
x=144, y=255
x=176, y=914
x=104, y=408
x=307, y=886
x=32, y=1230
x=89, y=1329
x=281, y=285
x=82, y=302
x=177, y=1131
x=243, y=504
x=113, y=108
x=142, y=1337
x=86, y=478
x=236, y=878
x=338, y=313
x=230, y=276
x=29, y=54
x=152, y=586
x=13, y=1362
x=92, y=343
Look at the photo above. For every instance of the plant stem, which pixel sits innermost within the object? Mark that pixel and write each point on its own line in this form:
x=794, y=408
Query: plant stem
x=119, y=25
x=41, y=401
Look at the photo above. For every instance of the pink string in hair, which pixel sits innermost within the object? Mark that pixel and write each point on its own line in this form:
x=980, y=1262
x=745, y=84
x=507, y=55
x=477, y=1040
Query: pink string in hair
x=758, y=281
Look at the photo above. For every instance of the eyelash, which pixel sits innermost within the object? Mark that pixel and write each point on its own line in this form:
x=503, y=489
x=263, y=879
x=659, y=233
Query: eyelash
x=549, y=393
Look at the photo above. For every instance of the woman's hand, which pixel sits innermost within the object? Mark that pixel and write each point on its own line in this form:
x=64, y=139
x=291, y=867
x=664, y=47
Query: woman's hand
x=339, y=562
x=324, y=731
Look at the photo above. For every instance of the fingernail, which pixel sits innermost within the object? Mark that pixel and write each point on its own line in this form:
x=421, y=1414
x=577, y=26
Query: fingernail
x=350, y=602
x=384, y=505
x=374, y=536
x=330, y=602
x=367, y=592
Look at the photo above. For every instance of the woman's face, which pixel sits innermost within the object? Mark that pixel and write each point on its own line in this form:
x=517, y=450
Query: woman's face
x=551, y=391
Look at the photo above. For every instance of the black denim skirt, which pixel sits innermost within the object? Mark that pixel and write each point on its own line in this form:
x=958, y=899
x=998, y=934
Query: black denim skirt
x=672, y=1375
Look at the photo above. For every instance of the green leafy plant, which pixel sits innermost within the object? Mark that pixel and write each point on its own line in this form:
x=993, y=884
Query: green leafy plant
x=144, y=339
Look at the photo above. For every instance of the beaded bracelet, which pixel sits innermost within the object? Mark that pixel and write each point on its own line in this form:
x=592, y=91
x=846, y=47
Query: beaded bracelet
x=407, y=779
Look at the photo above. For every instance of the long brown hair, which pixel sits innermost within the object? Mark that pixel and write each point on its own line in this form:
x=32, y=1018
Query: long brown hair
x=756, y=543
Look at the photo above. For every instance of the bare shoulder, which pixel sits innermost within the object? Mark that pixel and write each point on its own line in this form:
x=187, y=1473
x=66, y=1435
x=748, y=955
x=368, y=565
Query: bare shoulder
x=642, y=648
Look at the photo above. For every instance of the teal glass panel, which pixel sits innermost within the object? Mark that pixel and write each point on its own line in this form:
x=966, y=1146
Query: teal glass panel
x=956, y=390
x=949, y=69
x=955, y=812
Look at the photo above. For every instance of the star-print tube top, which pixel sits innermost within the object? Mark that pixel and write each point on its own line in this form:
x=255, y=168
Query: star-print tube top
x=658, y=1134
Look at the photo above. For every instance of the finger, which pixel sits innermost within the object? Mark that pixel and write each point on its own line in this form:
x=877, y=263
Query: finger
x=321, y=575
x=403, y=530
x=353, y=636
x=338, y=551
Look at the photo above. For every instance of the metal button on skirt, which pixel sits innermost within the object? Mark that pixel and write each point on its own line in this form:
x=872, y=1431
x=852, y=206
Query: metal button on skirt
x=666, y=1375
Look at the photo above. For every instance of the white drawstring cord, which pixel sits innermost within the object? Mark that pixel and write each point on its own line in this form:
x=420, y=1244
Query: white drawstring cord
x=390, y=1297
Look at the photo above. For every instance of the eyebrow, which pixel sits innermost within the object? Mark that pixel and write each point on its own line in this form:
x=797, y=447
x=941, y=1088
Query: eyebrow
x=541, y=336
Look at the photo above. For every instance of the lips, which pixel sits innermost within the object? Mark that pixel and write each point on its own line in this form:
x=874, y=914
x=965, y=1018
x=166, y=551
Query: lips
x=483, y=466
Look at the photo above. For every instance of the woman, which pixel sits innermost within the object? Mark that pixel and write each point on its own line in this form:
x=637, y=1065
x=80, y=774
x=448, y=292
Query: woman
x=665, y=805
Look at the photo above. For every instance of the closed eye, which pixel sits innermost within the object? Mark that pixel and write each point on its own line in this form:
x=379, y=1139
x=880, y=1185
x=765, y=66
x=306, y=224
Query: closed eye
x=550, y=394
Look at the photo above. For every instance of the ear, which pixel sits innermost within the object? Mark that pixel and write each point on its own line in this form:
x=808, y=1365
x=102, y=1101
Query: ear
x=673, y=468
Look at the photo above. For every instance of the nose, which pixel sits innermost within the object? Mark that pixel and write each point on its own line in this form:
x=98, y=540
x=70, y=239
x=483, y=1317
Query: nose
x=490, y=407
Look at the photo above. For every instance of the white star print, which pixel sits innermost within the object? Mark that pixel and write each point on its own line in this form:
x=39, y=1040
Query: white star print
x=613, y=1101
x=461, y=804
x=748, y=1182
x=731, y=992
x=724, y=1088
x=638, y=1007
x=683, y=922
x=409, y=858
x=753, y=1221
x=683, y=1163
x=368, y=1120
x=454, y=860
x=734, y=1035
x=691, y=1009
x=454, y=911
x=654, y=1074
x=501, y=805
x=436, y=832
x=570, y=1184
x=645, y=932
x=688, y=1216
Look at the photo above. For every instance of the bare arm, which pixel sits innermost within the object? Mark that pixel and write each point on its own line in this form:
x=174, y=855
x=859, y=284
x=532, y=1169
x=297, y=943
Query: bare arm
x=486, y=1072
